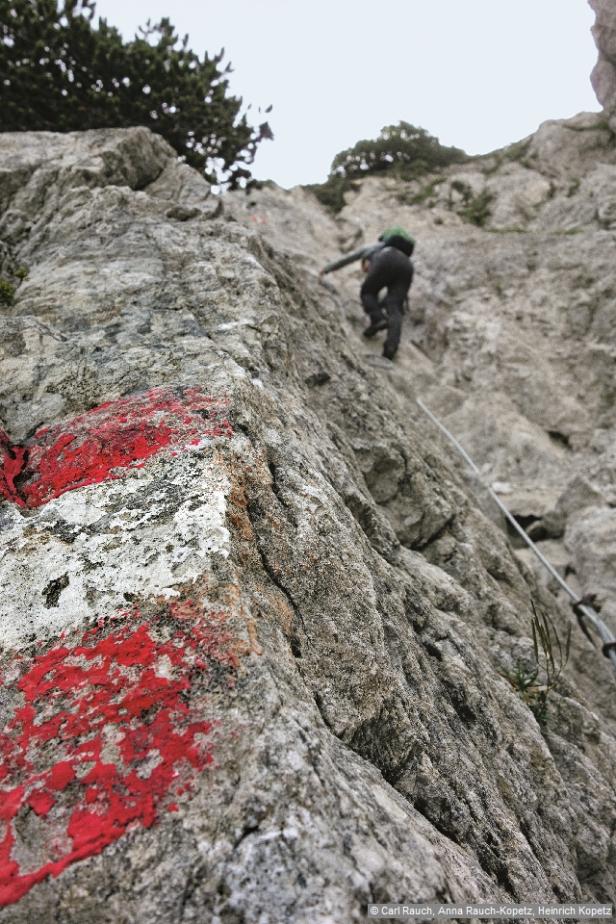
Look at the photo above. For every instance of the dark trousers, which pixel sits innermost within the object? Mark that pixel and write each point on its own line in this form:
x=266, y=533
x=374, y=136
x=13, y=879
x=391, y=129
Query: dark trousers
x=391, y=270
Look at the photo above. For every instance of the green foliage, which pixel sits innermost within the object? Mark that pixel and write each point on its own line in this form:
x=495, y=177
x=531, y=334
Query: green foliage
x=425, y=195
x=331, y=193
x=535, y=683
x=60, y=73
x=517, y=151
x=475, y=208
x=402, y=149
x=7, y=293
x=514, y=152
x=11, y=275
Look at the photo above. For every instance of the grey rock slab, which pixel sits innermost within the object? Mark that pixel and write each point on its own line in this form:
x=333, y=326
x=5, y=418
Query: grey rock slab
x=604, y=74
x=317, y=588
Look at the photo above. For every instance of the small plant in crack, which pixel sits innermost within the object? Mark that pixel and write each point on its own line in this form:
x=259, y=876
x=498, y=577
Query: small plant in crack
x=535, y=682
x=7, y=293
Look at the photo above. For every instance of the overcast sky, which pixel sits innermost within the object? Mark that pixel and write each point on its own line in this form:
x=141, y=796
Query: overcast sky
x=478, y=74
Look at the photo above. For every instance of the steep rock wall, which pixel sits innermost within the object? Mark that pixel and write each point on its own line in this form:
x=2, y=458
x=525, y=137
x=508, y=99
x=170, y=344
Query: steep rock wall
x=257, y=631
x=604, y=73
x=510, y=336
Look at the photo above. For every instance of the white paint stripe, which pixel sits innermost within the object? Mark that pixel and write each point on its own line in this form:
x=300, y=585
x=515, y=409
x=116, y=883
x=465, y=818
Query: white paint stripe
x=142, y=535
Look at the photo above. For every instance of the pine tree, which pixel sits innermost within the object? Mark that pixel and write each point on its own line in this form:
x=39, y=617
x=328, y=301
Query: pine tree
x=58, y=72
x=403, y=149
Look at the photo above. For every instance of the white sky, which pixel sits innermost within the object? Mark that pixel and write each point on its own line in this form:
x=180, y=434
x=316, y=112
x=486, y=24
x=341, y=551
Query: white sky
x=476, y=73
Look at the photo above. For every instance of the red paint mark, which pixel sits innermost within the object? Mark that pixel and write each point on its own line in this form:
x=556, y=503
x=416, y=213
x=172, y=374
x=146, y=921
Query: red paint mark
x=41, y=802
x=98, y=445
x=11, y=464
x=107, y=736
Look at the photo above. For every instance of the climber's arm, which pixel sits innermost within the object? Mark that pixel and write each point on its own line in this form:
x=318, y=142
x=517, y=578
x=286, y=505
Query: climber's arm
x=344, y=261
x=363, y=253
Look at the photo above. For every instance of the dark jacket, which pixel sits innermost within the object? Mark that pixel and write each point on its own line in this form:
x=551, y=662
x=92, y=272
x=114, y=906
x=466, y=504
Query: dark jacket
x=364, y=253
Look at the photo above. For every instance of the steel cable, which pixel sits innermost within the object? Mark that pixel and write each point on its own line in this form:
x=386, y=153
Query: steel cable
x=607, y=637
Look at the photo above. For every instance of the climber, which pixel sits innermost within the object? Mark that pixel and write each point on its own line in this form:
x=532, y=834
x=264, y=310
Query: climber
x=388, y=266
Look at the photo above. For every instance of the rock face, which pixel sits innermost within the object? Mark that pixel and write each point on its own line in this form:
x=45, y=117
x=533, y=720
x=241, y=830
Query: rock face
x=511, y=335
x=258, y=634
x=604, y=73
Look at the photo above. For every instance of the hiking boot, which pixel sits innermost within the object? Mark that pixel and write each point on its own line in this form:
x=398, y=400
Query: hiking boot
x=375, y=326
x=389, y=352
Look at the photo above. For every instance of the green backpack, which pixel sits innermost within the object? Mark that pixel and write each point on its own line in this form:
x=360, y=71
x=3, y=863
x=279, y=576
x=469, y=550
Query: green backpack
x=399, y=238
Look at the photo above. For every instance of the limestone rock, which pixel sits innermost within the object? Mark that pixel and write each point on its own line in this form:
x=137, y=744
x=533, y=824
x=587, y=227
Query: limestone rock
x=510, y=337
x=591, y=538
x=570, y=147
x=258, y=634
x=604, y=75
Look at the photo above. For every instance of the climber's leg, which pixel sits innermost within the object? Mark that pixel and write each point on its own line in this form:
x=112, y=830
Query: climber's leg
x=394, y=328
x=394, y=305
x=369, y=294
